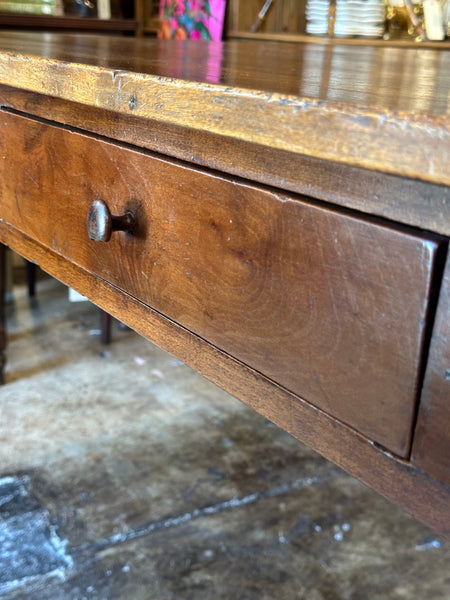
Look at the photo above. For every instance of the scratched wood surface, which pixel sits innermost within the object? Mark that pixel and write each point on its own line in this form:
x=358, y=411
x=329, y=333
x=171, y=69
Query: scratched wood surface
x=431, y=450
x=384, y=109
x=328, y=305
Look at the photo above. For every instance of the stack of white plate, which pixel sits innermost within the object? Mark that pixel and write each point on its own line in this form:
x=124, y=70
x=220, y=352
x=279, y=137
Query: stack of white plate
x=364, y=18
x=317, y=12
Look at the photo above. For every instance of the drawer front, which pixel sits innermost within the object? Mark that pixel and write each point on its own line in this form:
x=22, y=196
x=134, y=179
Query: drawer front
x=431, y=448
x=328, y=305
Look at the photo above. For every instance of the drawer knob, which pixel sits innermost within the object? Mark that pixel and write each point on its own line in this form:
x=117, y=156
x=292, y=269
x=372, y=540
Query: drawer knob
x=101, y=223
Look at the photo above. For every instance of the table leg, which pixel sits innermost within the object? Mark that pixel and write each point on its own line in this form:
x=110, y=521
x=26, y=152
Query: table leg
x=31, y=278
x=2, y=311
x=105, y=321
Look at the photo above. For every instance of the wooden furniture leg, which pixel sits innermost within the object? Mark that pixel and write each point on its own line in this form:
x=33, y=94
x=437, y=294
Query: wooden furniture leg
x=105, y=318
x=31, y=278
x=105, y=325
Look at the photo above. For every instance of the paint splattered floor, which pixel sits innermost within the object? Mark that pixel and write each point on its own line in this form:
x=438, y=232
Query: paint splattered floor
x=123, y=474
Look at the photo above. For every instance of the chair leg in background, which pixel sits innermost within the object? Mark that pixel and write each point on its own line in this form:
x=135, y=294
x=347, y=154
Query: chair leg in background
x=105, y=325
x=31, y=278
x=105, y=318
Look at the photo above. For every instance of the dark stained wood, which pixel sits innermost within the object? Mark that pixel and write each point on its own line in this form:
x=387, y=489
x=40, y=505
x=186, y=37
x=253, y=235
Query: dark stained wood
x=105, y=326
x=382, y=109
x=431, y=450
x=50, y=23
x=403, y=200
x=31, y=278
x=396, y=479
x=328, y=305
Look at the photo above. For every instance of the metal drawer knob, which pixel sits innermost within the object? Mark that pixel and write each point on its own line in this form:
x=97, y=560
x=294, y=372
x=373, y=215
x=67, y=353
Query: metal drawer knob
x=101, y=223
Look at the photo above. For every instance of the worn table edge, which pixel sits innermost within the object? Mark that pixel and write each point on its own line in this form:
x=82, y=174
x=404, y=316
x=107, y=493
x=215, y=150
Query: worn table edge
x=349, y=134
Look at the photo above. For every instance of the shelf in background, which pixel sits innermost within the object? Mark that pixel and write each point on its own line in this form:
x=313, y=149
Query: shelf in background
x=68, y=23
x=297, y=37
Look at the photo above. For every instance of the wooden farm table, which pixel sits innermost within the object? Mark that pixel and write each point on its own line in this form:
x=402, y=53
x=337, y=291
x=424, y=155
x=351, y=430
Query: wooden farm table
x=275, y=215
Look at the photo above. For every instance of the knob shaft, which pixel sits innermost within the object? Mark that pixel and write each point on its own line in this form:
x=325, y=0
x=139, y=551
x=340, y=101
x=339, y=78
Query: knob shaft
x=101, y=223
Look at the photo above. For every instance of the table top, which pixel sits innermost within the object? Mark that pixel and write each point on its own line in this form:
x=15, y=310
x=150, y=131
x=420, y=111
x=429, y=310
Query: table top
x=380, y=108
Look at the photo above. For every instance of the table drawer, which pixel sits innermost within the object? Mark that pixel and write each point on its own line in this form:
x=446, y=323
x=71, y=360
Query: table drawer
x=330, y=306
x=431, y=448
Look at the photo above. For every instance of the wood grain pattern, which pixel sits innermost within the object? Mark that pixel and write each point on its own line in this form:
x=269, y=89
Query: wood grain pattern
x=366, y=128
x=431, y=450
x=381, y=121
x=407, y=201
x=397, y=480
x=328, y=305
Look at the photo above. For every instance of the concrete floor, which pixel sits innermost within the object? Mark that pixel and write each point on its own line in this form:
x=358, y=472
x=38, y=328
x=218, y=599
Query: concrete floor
x=124, y=474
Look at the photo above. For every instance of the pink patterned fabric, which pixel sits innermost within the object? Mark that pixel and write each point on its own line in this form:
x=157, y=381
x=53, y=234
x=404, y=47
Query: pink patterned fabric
x=191, y=19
